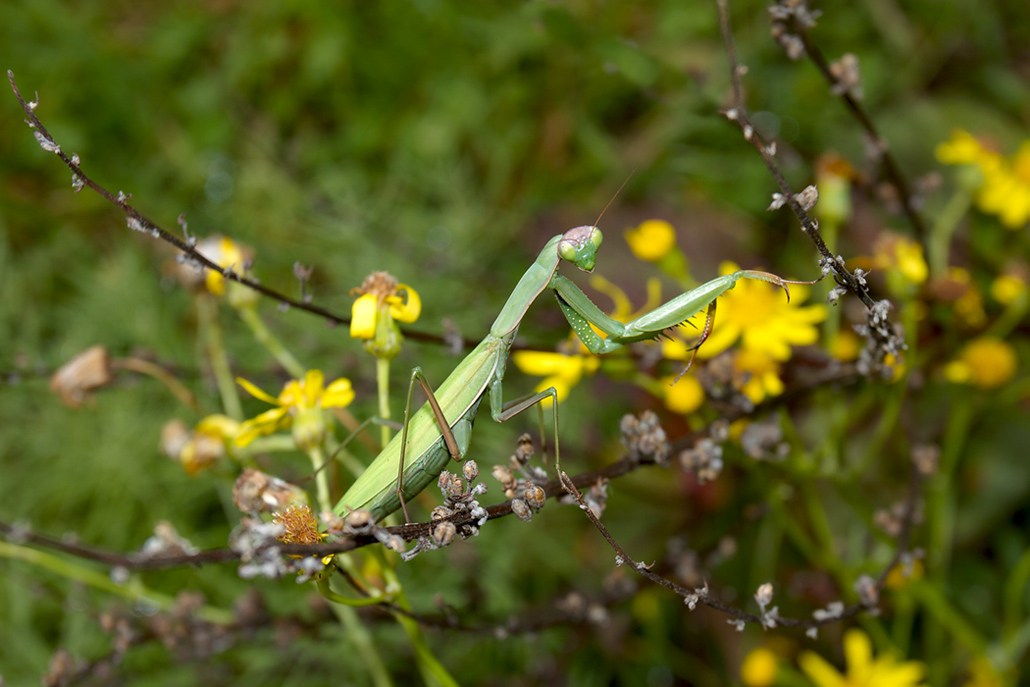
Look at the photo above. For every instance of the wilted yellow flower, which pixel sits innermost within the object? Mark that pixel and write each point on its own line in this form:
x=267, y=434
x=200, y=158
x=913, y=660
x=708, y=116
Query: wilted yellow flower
x=862, y=669
x=652, y=240
x=759, y=667
x=299, y=405
x=560, y=369
x=986, y=362
x=378, y=308
x=900, y=258
x=1005, y=190
x=685, y=396
x=201, y=447
x=758, y=314
x=228, y=254
x=833, y=177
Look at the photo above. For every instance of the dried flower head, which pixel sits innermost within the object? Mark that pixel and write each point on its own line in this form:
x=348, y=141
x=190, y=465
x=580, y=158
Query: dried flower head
x=299, y=525
x=86, y=372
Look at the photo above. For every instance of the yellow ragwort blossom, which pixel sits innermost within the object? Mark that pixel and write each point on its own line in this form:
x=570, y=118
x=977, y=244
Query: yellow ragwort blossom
x=652, y=240
x=299, y=400
x=758, y=314
x=863, y=670
x=562, y=370
x=379, y=307
x=685, y=396
x=757, y=374
x=1005, y=187
x=759, y=667
x=902, y=257
x=1007, y=288
x=985, y=362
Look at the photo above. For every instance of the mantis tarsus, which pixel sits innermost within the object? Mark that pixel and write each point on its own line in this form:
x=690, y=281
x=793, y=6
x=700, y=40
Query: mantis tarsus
x=442, y=428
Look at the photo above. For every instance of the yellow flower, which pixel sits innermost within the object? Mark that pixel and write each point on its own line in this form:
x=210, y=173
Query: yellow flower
x=983, y=674
x=757, y=375
x=1008, y=288
x=377, y=310
x=299, y=400
x=1005, y=186
x=902, y=259
x=759, y=315
x=562, y=370
x=759, y=668
x=899, y=577
x=862, y=669
x=652, y=240
x=685, y=396
x=986, y=362
x=846, y=346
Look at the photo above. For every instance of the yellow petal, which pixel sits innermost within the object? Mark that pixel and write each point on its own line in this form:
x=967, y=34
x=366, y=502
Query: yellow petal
x=820, y=671
x=267, y=422
x=618, y=296
x=338, y=394
x=858, y=652
x=363, y=317
x=685, y=396
x=541, y=363
x=652, y=240
x=408, y=310
x=314, y=382
x=218, y=425
x=256, y=392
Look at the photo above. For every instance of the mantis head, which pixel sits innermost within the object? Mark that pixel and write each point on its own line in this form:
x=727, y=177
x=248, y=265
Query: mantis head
x=580, y=245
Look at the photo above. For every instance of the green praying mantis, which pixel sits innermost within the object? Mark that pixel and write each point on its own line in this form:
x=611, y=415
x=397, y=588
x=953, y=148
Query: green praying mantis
x=442, y=428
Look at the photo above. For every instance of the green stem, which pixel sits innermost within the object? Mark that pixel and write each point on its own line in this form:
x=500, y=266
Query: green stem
x=383, y=386
x=325, y=501
x=268, y=340
x=1015, y=594
x=939, y=245
x=207, y=313
x=929, y=595
x=134, y=590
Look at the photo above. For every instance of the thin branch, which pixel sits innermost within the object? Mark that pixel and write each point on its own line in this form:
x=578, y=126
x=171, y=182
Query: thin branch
x=139, y=222
x=897, y=179
x=885, y=338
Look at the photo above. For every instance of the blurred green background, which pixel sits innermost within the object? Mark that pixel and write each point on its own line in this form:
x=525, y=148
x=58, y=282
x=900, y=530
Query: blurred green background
x=445, y=142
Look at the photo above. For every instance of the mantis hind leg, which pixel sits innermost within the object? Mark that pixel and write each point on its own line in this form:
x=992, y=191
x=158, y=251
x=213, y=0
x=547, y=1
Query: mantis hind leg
x=445, y=430
x=513, y=408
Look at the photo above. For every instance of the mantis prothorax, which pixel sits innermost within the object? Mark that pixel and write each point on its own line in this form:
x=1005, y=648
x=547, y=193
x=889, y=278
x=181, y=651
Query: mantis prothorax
x=442, y=428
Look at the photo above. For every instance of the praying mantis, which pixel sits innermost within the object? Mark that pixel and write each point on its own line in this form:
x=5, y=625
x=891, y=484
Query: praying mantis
x=442, y=428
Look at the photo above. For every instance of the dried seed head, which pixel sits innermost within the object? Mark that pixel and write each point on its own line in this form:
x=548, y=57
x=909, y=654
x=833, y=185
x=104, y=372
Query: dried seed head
x=867, y=591
x=334, y=523
x=86, y=372
x=358, y=521
x=521, y=510
x=926, y=458
x=471, y=470
x=764, y=595
x=441, y=512
x=523, y=451
x=443, y=534
x=299, y=525
x=503, y=475
x=535, y=496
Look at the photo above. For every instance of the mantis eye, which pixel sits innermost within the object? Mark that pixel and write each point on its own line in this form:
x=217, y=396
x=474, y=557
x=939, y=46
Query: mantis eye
x=567, y=251
x=596, y=237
